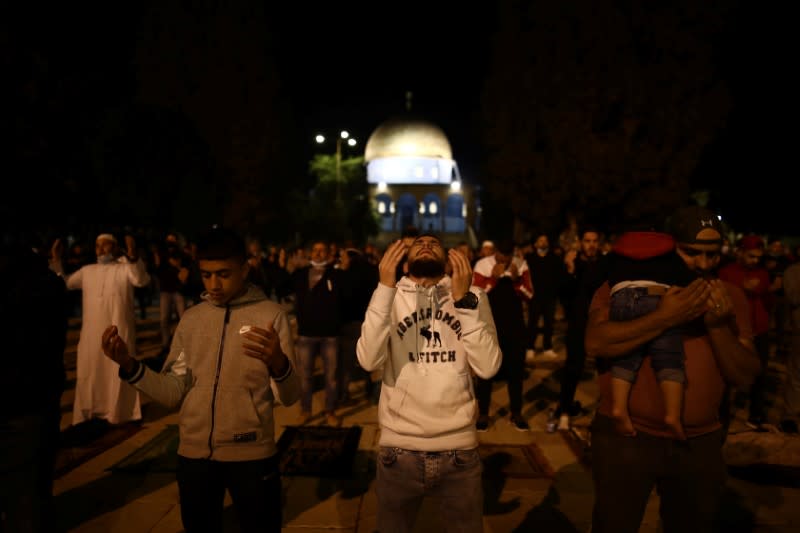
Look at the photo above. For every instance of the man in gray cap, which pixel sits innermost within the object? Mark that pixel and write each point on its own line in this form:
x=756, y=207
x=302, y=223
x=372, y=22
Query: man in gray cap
x=689, y=474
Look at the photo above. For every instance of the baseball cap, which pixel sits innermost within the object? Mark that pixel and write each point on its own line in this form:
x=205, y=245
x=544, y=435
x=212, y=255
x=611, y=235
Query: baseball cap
x=687, y=222
x=751, y=242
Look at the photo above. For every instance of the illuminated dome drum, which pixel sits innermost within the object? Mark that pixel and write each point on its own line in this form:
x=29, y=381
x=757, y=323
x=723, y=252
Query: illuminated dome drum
x=409, y=150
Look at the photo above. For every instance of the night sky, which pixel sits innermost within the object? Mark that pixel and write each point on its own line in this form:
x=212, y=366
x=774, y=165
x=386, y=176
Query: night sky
x=349, y=65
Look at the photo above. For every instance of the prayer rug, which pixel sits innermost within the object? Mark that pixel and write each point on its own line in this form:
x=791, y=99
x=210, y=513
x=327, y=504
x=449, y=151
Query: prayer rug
x=320, y=451
x=514, y=461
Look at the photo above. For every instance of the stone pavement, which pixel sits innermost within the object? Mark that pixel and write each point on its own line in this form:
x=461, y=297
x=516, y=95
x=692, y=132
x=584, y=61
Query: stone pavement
x=90, y=498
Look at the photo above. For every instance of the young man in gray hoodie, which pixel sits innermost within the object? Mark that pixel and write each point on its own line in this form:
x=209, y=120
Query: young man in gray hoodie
x=429, y=332
x=231, y=359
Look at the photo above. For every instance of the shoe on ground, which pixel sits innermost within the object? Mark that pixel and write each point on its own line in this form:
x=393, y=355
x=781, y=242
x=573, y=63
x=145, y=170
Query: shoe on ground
x=482, y=425
x=519, y=423
x=563, y=422
x=755, y=422
x=305, y=417
x=333, y=420
x=548, y=355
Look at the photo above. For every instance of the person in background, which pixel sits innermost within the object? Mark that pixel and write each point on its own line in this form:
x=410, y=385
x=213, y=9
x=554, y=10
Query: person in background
x=318, y=299
x=689, y=475
x=359, y=279
x=107, y=299
x=548, y=277
x=776, y=260
x=507, y=282
x=428, y=333
x=486, y=249
x=749, y=274
x=586, y=270
x=172, y=273
x=33, y=325
x=231, y=361
x=791, y=386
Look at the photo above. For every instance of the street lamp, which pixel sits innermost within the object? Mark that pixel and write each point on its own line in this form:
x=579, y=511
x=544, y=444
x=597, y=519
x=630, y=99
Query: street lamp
x=343, y=135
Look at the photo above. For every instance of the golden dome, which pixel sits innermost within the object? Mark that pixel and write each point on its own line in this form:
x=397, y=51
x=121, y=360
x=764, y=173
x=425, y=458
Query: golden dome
x=407, y=136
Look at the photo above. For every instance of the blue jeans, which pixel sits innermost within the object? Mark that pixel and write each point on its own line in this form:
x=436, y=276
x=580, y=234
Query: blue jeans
x=666, y=350
x=306, y=350
x=405, y=477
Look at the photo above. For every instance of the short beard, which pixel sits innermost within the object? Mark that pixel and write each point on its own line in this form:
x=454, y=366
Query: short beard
x=426, y=268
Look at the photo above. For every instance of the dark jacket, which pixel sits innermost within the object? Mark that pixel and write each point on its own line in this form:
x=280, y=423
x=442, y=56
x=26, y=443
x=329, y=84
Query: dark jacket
x=359, y=282
x=33, y=326
x=318, y=309
x=548, y=275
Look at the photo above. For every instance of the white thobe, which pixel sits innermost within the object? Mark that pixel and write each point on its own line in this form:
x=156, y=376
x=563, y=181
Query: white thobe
x=108, y=299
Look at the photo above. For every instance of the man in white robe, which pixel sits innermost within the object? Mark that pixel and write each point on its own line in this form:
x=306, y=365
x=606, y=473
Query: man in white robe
x=108, y=299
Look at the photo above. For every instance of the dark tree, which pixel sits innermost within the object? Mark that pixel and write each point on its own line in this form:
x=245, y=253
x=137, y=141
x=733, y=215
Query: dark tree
x=601, y=111
x=214, y=64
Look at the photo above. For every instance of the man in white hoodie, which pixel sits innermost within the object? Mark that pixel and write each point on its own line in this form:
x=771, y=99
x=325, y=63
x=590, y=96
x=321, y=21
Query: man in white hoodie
x=429, y=332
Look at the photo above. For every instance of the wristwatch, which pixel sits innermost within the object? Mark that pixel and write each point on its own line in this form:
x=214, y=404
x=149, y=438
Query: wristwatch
x=468, y=301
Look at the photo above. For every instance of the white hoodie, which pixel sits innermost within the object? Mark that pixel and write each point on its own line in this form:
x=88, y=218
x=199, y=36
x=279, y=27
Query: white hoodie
x=428, y=350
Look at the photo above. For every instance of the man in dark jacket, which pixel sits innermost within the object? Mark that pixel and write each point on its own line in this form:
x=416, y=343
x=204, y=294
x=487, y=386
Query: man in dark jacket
x=33, y=326
x=586, y=270
x=359, y=277
x=547, y=276
x=317, y=292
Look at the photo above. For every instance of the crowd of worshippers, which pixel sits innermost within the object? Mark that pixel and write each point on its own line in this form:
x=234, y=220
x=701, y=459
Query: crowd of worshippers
x=653, y=307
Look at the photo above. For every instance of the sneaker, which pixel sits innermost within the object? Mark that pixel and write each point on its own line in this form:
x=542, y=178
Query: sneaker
x=333, y=420
x=519, y=423
x=482, y=425
x=548, y=355
x=563, y=422
x=755, y=422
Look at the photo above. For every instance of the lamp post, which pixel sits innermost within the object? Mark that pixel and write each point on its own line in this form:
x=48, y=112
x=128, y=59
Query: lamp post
x=343, y=135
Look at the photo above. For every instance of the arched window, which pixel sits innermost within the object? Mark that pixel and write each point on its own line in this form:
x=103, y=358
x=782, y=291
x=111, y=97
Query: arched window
x=432, y=215
x=384, y=202
x=454, y=220
x=406, y=212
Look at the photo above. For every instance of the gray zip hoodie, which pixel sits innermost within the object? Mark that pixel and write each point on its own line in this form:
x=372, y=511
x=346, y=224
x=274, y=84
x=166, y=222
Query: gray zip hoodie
x=228, y=397
x=428, y=350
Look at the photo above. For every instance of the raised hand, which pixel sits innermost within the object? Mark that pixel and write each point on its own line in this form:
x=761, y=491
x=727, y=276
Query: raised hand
x=265, y=345
x=462, y=273
x=130, y=245
x=387, y=268
x=682, y=304
x=719, y=308
x=57, y=250
x=115, y=348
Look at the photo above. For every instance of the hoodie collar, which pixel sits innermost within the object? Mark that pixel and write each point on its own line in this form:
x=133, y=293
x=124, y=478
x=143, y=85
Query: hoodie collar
x=252, y=294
